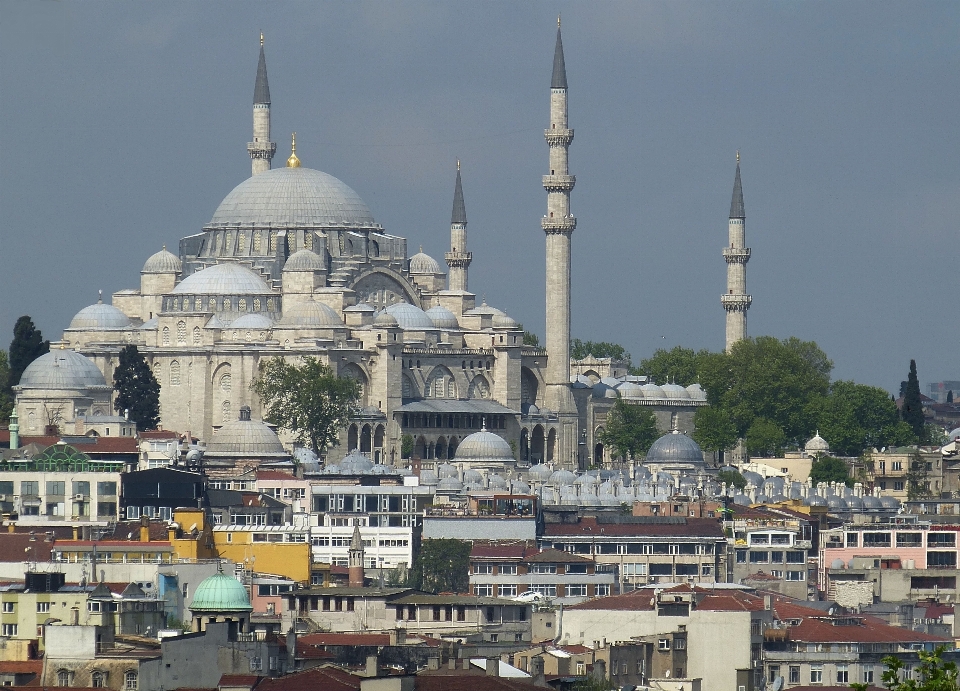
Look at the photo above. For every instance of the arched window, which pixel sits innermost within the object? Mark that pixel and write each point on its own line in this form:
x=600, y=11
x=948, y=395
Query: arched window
x=165, y=337
x=63, y=677
x=270, y=305
x=256, y=241
x=98, y=680
x=130, y=680
x=198, y=304
x=225, y=415
x=227, y=305
x=242, y=305
x=196, y=335
x=175, y=373
x=225, y=382
x=256, y=304
x=181, y=332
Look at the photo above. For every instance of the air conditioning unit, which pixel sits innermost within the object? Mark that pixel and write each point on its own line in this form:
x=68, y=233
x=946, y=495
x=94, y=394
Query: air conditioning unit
x=78, y=497
x=3, y=497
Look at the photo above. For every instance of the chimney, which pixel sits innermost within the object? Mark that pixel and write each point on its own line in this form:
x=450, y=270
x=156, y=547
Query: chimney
x=433, y=663
x=11, y=527
x=372, y=668
x=398, y=636
x=600, y=670
x=144, y=529
x=466, y=664
x=452, y=663
x=74, y=616
x=536, y=671
x=767, y=602
x=493, y=666
x=291, y=649
x=171, y=533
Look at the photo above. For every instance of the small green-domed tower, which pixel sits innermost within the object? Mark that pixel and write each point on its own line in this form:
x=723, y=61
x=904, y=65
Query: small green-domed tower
x=221, y=598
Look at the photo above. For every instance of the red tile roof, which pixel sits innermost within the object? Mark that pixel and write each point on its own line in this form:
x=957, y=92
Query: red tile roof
x=14, y=547
x=495, y=549
x=731, y=601
x=634, y=601
x=315, y=679
x=248, y=680
x=275, y=475
x=672, y=527
x=21, y=666
x=556, y=556
x=159, y=434
x=445, y=679
x=345, y=639
x=870, y=630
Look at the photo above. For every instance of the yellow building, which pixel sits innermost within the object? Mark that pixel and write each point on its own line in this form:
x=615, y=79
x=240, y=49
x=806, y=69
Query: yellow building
x=282, y=550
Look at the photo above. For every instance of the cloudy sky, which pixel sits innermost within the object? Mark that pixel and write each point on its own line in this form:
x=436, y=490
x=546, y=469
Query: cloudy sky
x=125, y=124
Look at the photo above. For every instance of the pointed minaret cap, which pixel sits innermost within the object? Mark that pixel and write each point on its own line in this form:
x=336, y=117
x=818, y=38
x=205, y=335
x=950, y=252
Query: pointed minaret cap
x=736, y=204
x=459, y=210
x=261, y=92
x=559, y=80
x=356, y=542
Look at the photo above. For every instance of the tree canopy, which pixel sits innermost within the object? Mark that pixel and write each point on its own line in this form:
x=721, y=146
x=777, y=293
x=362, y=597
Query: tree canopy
x=932, y=674
x=442, y=566
x=829, y=469
x=6, y=395
x=732, y=477
x=714, y=429
x=137, y=389
x=678, y=365
x=765, y=438
x=630, y=429
x=27, y=345
x=308, y=400
x=854, y=417
x=599, y=349
x=529, y=338
x=912, y=409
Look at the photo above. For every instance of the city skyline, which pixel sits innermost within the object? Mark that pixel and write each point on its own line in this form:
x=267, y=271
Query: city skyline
x=151, y=117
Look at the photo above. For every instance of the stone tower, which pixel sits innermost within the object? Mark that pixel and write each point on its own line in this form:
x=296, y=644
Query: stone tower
x=355, y=558
x=261, y=149
x=736, y=302
x=559, y=224
x=458, y=259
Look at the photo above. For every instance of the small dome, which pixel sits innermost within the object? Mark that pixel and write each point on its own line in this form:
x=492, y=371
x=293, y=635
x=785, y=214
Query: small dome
x=484, y=446
x=854, y=502
x=220, y=593
x=355, y=463
x=871, y=502
x=386, y=320
x=816, y=445
x=472, y=476
x=503, y=321
x=497, y=482
x=815, y=500
x=445, y=470
x=612, y=382
x=836, y=503
x=428, y=477
x=586, y=479
x=62, y=369
x=100, y=316
x=304, y=260
x=539, y=473
x=630, y=390
x=742, y=500
x=675, y=447
x=890, y=502
x=421, y=263
x=449, y=484
x=653, y=391
x=520, y=487
x=562, y=477
x=410, y=317
x=223, y=279
x=311, y=314
x=603, y=390
x=696, y=392
x=252, y=320
x=163, y=262
x=443, y=318
x=675, y=391
x=483, y=309
x=245, y=437
x=755, y=479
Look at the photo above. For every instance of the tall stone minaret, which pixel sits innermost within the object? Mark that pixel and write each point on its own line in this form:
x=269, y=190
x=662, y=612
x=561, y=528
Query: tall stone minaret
x=736, y=302
x=559, y=224
x=261, y=149
x=458, y=259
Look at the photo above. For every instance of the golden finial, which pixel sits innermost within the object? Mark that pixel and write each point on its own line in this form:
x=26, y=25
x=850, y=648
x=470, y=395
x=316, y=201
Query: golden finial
x=164, y=248
x=261, y=39
x=558, y=21
x=458, y=164
x=421, y=249
x=738, y=155
x=293, y=161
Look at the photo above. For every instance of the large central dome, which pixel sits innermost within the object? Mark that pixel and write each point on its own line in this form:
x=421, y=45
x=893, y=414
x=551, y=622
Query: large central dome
x=292, y=198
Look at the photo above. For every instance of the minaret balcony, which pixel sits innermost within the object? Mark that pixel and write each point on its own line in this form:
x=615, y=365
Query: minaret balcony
x=559, y=183
x=565, y=225
x=261, y=149
x=458, y=259
x=736, y=255
x=736, y=303
x=558, y=137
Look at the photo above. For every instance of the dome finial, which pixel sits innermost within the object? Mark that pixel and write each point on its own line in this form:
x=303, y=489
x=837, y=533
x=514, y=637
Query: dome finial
x=458, y=164
x=558, y=21
x=421, y=249
x=293, y=161
x=99, y=297
x=738, y=155
x=261, y=39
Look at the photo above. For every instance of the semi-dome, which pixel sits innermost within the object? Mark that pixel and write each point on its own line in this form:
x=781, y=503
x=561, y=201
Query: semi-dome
x=292, y=198
x=675, y=391
x=163, y=262
x=228, y=278
x=630, y=390
x=675, y=447
x=304, y=260
x=484, y=446
x=252, y=320
x=220, y=593
x=410, y=317
x=62, y=369
x=421, y=263
x=245, y=437
x=817, y=445
x=99, y=316
x=443, y=318
x=311, y=313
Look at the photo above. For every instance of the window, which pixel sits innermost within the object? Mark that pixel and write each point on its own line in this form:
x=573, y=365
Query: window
x=741, y=556
x=941, y=559
x=898, y=486
x=256, y=664
x=794, y=674
x=133, y=512
x=933, y=538
x=43, y=607
x=175, y=373
x=107, y=488
x=130, y=681
x=483, y=590
x=816, y=674
x=93, y=606
x=577, y=590
x=603, y=589
x=876, y=539
x=508, y=590
x=796, y=558
x=543, y=568
x=909, y=539
x=868, y=674
x=98, y=680
x=663, y=644
x=843, y=674
x=545, y=589
x=9, y=630
x=56, y=487
x=64, y=677
x=679, y=643
x=773, y=671
x=9, y=607
x=508, y=569
x=759, y=557
x=896, y=465
x=482, y=568
x=796, y=576
x=30, y=488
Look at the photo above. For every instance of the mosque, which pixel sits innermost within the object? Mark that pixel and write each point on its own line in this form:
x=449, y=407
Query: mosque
x=293, y=263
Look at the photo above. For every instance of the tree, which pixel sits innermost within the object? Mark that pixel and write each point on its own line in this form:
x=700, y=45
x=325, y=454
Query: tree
x=854, y=417
x=829, y=469
x=950, y=396
x=918, y=485
x=679, y=365
x=912, y=409
x=27, y=345
x=600, y=349
x=308, y=400
x=630, y=430
x=6, y=395
x=765, y=438
x=713, y=429
x=406, y=446
x=137, y=389
x=732, y=477
x=442, y=566
x=529, y=338
x=932, y=674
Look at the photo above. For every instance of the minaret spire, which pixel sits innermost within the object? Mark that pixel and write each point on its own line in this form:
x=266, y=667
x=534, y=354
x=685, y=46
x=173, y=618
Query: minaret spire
x=736, y=302
x=558, y=225
x=458, y=258
x=261, y=149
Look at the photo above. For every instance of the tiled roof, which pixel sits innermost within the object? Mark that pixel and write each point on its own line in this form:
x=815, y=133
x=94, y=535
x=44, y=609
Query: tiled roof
x=495, y=549
x=248, y=680
x=872, y=630
x=345, y=639
x=731, y=601
x=275, y=475
x=159, y=434
x=21, y=666
x=315, y=679
x=445, y=679
x=556, y=556
x=672, y=527
x=13, y=547
x=761, y=576
x=634, y=601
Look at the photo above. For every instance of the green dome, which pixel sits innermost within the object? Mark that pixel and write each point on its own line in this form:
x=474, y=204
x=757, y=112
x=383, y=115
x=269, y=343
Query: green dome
x=220, y=593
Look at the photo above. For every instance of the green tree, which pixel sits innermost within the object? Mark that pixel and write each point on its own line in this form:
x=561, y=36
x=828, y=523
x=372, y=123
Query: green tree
x=854, y=417
x=6, y=394
x=918, y=484
x=765, y=438
x=308, y=400
x=912, y=409
x=630, y=429
x=678, y=365
x=950, y=396
x=406, y=446
x=27, y=345
x=932, y=674
x=529, y=338
x=599, y=349
x=713, y=429
x=442, y=566
x=137, y=389
x=732, y=477
x=829, y=469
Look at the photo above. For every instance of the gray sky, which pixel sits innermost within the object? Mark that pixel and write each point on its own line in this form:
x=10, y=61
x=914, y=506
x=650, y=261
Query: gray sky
x=124, y=125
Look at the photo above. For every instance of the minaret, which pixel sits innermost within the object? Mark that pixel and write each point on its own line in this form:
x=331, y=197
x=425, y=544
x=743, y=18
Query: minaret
x=736, y=302
x=458, y=259
x=355, y=558
x=559, y=224
x=261, y=149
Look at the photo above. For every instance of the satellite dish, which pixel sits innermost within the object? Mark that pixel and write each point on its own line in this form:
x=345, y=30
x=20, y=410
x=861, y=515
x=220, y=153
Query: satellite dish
x=777, y=684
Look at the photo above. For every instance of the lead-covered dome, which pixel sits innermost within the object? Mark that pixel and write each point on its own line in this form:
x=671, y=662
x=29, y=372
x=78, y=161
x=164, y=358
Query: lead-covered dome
x=252, y=320
x=421, y=263
x=245, y=437
x=304, y=260
x=62, y=369
x=816, y=445
x=163, y=262
x=410, y=316
x=220, y=593
x=311, y=313
x=228, y=278
x=675, y=447
x=99, y=316
x=485, y=447
x=292, y=198
x=442, y=317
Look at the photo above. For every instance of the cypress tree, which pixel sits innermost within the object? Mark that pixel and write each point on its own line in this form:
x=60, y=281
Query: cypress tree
x=950, y=396
x=137, y=389
x=27, y=345
x=912, y=410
